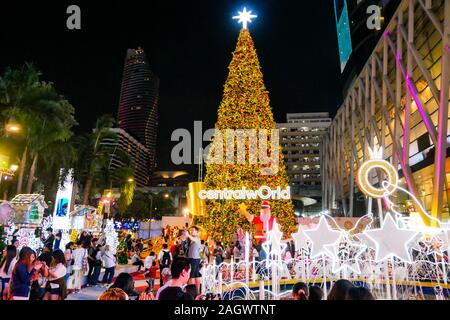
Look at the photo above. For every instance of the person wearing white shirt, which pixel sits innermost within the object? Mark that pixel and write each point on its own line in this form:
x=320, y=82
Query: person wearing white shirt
x=79, y=256
x=109, y=263
x=167, y=277
x=57, y=272
x=6, y=268
x=149, y=260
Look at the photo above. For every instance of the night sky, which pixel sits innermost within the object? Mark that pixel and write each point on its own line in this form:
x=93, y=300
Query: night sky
x=188, y=45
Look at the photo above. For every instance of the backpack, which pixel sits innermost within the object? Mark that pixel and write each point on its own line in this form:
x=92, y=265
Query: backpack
x=165, y=261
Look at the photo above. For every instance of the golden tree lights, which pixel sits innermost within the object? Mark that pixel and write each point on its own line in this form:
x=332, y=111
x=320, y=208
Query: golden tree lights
x=245, y=105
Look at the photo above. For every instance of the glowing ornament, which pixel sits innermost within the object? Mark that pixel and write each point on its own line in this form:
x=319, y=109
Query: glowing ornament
x=391, y=241
x=321, y=236
x=244, y=17
x=375, y=162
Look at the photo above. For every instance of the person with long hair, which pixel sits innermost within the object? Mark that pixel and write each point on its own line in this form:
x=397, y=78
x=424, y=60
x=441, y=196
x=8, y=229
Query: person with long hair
x=6, y=268
x=23, y=273
x=359, y=293
x=125, y=282
x=300, y=291
x=57, y=289
x=69, y=260
x=340, y=289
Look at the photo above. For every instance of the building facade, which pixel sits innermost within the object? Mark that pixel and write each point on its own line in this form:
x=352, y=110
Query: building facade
x=137, y=152
x=399, y=101
x=301, y=142
x=138, y=105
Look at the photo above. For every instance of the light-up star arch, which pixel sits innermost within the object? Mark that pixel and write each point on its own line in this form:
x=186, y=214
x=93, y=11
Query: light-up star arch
x=245, y=17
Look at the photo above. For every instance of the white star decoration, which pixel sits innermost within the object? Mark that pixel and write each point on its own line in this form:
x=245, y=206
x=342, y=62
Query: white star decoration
x=320, y=236
x=301, y=239
x=245, y=17
x=390, y=240
x=273, y=245
x=345, y=254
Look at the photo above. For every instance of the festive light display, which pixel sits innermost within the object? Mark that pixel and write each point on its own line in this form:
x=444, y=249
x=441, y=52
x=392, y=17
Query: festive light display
x=402, y=259
x=321, y=236
x=112, y=238
x=376, y=162
x=245, y=105
x=245, y=17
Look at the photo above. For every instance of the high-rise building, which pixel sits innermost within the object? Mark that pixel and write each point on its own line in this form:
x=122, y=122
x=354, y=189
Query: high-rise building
x=356, y=40
x=137, y=152
x=138, y=105
x=301, y=141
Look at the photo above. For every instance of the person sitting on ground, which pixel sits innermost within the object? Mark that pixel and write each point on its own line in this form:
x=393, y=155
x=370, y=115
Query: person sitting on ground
x=340, y=289
x=167, y=278
x=136, y=260
x=125, y=282
x=359, y=293
x=181, y=271
x=315, y=293
x=300, y=291
x=114, y=294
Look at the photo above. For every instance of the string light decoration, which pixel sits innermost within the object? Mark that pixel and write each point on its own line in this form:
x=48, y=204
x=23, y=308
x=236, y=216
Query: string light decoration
x=245, y=105
x=401, y=260
x=376, y=161
x=112, y=238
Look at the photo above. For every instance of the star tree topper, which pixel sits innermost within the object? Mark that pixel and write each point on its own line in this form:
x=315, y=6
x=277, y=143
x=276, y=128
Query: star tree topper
x=390, y=240
x=245, y=17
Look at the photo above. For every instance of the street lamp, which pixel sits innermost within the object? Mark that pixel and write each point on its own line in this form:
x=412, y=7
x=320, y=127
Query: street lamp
x=166, y=195
x=12, y=128
x=130, y=180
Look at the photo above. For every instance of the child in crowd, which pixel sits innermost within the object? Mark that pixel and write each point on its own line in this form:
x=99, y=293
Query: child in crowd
x=148, y=262
x=152, y=275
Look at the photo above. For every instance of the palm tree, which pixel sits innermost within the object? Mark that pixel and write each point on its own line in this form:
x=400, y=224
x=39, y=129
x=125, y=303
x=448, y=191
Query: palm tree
x=45, y=116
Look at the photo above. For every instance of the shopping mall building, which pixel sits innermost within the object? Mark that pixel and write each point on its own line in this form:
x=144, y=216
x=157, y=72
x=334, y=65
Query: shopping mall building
x=398, y=99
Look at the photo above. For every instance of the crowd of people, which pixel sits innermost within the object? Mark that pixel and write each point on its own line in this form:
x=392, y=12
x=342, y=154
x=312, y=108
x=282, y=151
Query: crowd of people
x=341, y=290
x=55, y=273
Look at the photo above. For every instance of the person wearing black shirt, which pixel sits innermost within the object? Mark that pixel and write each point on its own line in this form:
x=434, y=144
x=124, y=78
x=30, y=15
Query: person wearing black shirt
x=92, y=260
x=181, y=272
x=50, y=239
x=46, y=255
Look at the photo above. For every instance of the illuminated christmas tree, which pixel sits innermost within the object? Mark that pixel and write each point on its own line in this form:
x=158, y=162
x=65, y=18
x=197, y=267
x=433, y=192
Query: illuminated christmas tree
x=245, y=105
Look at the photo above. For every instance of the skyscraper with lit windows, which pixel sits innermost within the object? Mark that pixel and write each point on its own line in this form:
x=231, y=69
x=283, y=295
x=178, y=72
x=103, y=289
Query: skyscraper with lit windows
x=138, y=104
